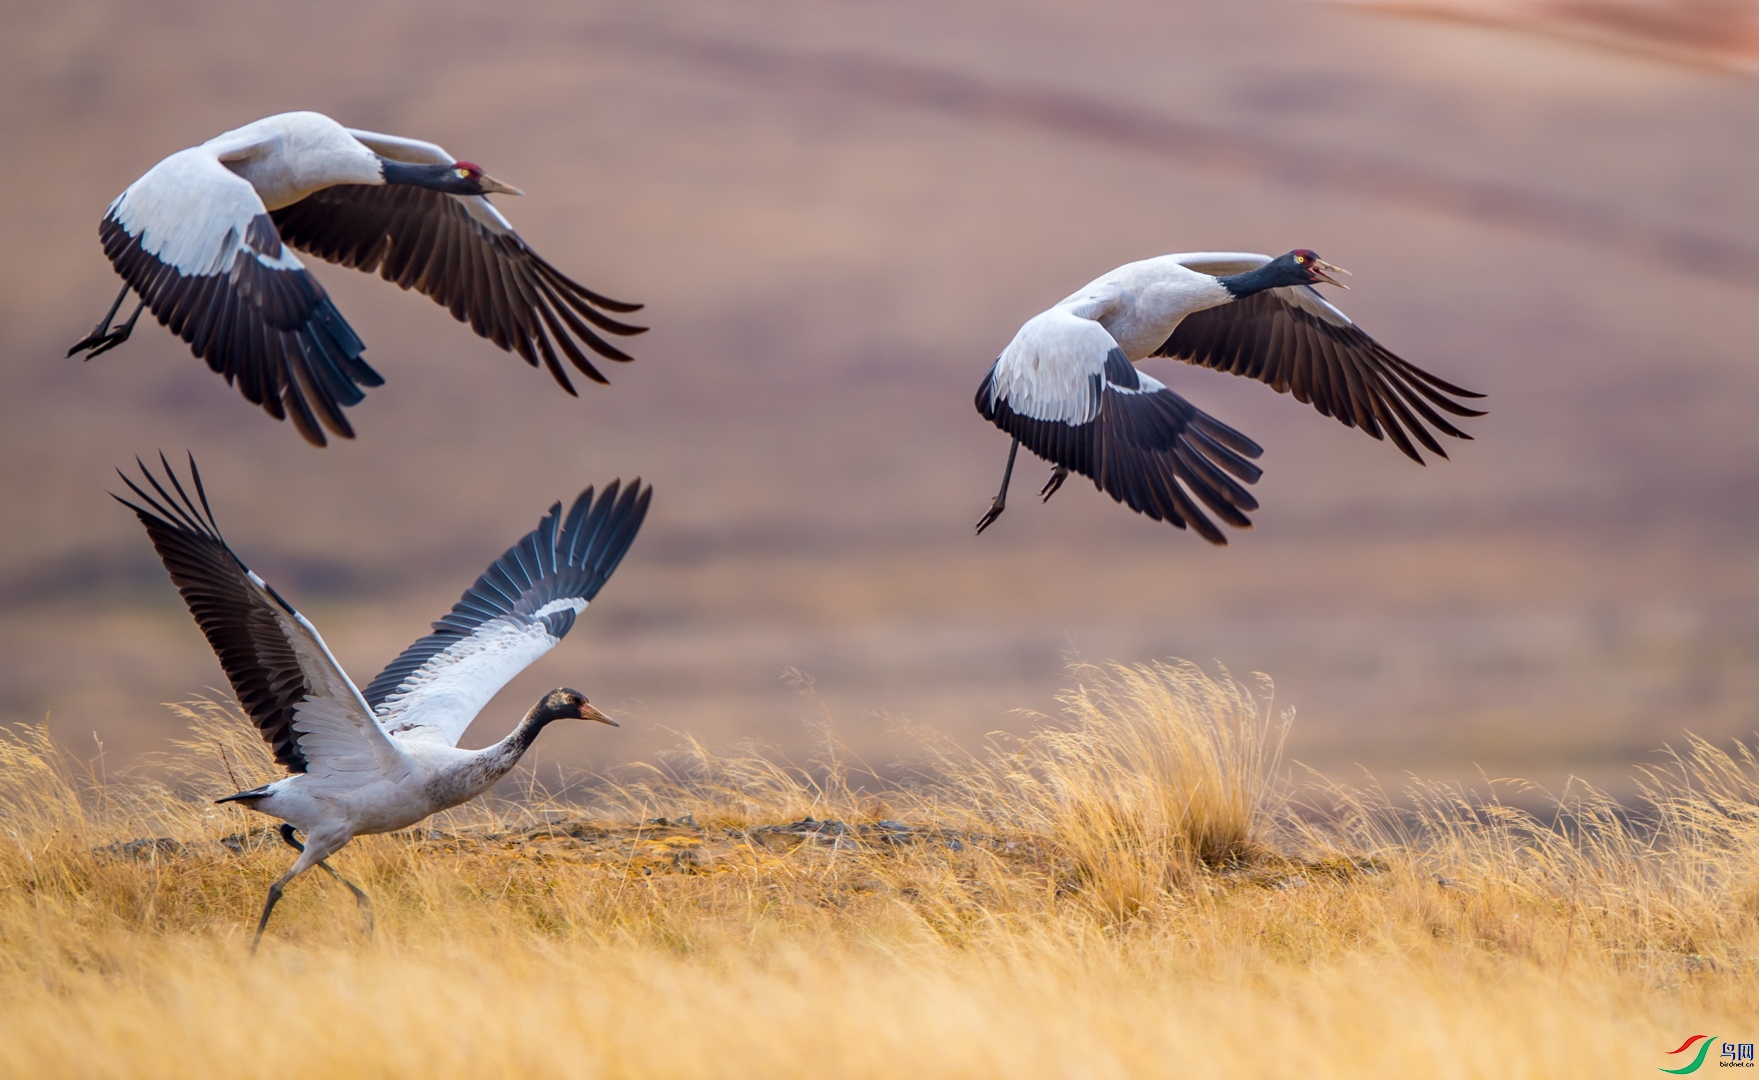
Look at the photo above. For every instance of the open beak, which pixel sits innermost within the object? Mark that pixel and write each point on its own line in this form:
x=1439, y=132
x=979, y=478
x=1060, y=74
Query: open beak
x=1324, y=270
x=491, y=186
x=587, y=712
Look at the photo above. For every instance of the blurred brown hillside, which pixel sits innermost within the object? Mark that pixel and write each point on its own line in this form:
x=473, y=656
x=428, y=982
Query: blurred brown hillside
x=838, y=214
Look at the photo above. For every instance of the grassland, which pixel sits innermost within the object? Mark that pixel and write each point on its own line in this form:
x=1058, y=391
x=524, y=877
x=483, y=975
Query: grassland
x=1141, y=888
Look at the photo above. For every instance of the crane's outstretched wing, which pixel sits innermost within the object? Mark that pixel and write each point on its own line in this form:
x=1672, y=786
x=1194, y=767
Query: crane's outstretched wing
x=517, y=611
x=302, y=701
x=1067, y=391
x=1294, y=341
x=462, y=253
x=193, y=239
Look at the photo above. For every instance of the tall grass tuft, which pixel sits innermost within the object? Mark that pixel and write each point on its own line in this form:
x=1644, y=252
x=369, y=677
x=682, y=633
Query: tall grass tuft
x=1158, y=770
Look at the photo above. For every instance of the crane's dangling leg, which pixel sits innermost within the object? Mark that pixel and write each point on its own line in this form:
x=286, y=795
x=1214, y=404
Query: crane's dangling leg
x=1000, y=502
x=1055, y=482
x=361, y=899
x=102, y=338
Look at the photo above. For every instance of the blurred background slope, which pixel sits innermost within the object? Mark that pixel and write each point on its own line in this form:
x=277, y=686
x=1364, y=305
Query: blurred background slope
x=838, y=215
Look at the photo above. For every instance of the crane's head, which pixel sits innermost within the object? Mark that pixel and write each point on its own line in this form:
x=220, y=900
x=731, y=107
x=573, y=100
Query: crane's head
x=1298, y=267
x=1303, y=267
x=567, y=704
x=471, y=176
x=458, y=178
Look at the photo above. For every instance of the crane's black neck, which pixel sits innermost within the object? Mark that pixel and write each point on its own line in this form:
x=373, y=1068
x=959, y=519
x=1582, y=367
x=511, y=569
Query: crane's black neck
x=1275, y=274
x=519, y=740
x=553, y=707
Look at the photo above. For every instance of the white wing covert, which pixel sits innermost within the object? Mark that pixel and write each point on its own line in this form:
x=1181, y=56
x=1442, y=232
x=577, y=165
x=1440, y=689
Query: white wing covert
x=1054, y=368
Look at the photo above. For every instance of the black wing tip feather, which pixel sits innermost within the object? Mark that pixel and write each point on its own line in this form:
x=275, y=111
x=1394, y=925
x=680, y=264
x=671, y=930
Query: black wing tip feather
x=215, y=587
x=1340, y=370
x=492, y=281
x=570, y=556
x=178, y=512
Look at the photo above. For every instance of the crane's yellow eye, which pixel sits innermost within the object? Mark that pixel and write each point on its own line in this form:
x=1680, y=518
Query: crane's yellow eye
x=1300, y=258
x=463, y=174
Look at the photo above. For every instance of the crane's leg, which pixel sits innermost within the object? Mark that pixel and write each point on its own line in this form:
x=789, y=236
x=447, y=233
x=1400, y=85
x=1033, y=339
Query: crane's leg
x=1000, y=502
x=1055, y=482
x=102, y=338
x=269, y=904
x=313, y=853
x=361, y=899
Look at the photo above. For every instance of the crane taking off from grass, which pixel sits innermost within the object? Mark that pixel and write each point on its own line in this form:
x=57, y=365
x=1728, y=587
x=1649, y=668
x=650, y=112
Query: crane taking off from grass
x=1067, y=385
x=203, y=238
x=384, y=758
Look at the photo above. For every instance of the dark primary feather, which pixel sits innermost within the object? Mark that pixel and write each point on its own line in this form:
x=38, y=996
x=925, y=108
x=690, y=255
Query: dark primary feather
x=1150, y=451
x=273, y=333
x=238, y=623
x=426, y=240
x=1339, y=370
x=558, y=560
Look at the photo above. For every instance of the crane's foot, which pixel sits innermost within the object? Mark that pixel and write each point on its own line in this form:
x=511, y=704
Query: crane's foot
x=1055, y=482
x=366, y=907
x=268, y=907
x=104, y=337
x=996, y=506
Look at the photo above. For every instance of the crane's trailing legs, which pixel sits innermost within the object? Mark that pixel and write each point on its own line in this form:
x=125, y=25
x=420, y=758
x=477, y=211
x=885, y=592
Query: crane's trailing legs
x=301, y=865
x=1000, y=502
x=364, y=901
x=102, y=338
x=1060, y=474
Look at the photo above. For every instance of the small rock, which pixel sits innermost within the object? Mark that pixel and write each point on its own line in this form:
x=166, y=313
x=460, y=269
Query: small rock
x=139, y=850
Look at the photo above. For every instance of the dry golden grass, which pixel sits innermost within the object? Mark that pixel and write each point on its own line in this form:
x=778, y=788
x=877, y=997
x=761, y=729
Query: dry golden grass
x=1136, y=890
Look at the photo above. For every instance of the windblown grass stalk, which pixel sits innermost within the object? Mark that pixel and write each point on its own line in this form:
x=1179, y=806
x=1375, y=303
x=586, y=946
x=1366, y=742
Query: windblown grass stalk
x=1134, y=890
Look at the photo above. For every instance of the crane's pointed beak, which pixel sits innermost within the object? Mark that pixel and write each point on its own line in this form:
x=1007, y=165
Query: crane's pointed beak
x=1324, y=270
x=491, y=186
x=587, y=712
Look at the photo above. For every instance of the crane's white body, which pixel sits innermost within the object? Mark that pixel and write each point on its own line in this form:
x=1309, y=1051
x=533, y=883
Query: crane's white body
x=1066, y=387
x=194, y=209
x=1048, y=370
x=206, y=238
x=386, y=757
x=372, y=772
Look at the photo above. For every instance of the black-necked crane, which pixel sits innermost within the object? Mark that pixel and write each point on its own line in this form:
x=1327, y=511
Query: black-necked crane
x=1067, y=385
x=384, y=758
x=205, y=239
